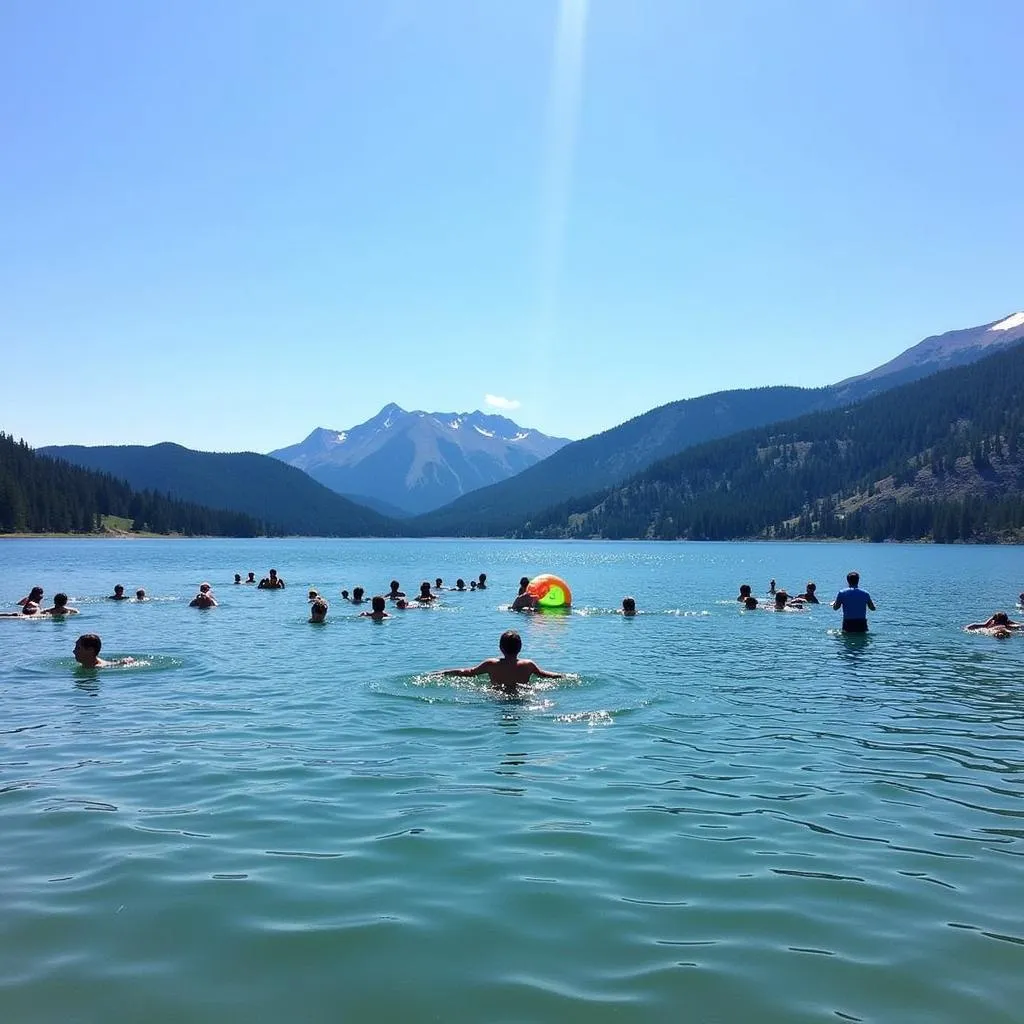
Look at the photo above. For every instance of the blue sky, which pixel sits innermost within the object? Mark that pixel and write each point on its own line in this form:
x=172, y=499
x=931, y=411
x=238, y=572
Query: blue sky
x=227, y=223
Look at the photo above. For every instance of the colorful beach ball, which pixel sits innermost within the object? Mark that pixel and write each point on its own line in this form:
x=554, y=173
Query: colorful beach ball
x=550, y=591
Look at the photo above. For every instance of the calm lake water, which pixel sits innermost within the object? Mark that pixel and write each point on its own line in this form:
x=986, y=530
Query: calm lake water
x=721, y=816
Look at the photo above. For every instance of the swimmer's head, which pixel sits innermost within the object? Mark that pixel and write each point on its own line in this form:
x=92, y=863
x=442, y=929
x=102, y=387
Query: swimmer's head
x=394, y=585
x=140, y=594
x=204, y=588
x=750, y=603
x=273, y=574
x=401, y=603
x=744, y=590
x=344, y=594
x=36, y=594
x=313, y=595
x=118, y=588
x=629, y=605
x=60, y=600
x=510, y=643
x=811, y=587
x=87, y=648
x=853, y=578
x=460, y=584
x=472, y=584
x=1000, y=619
x=357, y=593
x=438, y=583
x=425, y=589
x=378, y=604
x=238, y=577
x=781, y=597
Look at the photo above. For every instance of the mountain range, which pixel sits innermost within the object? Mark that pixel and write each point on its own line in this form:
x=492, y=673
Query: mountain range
x=417, y=449
x=405, y=463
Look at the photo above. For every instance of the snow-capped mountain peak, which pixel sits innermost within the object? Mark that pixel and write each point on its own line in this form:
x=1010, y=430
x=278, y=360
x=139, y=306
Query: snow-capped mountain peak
x=1013, y=321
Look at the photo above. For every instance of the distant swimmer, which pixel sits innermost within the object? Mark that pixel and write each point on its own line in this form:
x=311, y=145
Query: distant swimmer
x=313, y=595
x=855, y=603
x=357, y=595
x=35, y=595
x=999, y=624
x=628, y=607
x=810, y=595
x=481, y=583
x=379, y=612
x=524, y=602
x=87, y=653
x=425, y=596
x=472, y=584
x=395, y=592
x=782, y=601
x=274, y=582
x=60, y=607
x=28, y=610
x=750, y=604
x=438, y=583
x=744, y=592
x=238, y=578
x=140, y=595
x=344, y=596
x=403, y=605
x=118, y=594
x=508, y=672
x=460, y=584
x=318, y=610
x=251, y=578
x=771, y=587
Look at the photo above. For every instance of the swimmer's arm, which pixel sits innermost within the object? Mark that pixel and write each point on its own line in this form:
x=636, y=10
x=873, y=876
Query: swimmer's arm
x=536, y=670
x=871, y=605
x=482, y=669
x=837, y=604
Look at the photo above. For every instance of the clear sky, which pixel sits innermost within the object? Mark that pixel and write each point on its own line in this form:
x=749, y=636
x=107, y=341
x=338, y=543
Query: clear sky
x=227, y=223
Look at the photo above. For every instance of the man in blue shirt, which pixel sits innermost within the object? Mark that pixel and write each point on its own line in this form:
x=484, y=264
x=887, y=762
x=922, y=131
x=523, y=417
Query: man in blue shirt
x=855, y=604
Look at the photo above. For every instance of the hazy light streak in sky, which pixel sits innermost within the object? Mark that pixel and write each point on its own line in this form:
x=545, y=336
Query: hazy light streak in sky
x=560, y=146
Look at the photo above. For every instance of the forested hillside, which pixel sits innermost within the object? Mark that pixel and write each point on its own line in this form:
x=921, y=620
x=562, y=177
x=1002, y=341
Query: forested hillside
x=43, y=495
x=938, y=459
x=281, y=496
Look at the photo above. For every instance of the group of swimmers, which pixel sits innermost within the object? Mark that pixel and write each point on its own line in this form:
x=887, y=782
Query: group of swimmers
x=32, y=603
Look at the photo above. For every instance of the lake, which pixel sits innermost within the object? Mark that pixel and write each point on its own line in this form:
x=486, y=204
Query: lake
x=720, y=816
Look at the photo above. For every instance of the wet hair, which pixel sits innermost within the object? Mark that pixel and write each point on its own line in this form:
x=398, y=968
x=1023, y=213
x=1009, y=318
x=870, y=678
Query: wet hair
x=510, y=643
x=629, y=604
x=472, y=584
x=811, y=587
x=35, y=593
x=140, y=594
x=460, y=584
x=401, y=603
x=395, y=584
x=853, y=578
x=439, y=583
x=1000, y=619
x=357, y=593
x=483, y=576
x=744, y=590
x=91, y=641
x=238, y=577
x=59, y=600
x=750, y=603
x=524, y=582
x=118, y=586
x=781, y=597
x=273, y=572
x=379, y=604
x=424, y=588
x=344, y=594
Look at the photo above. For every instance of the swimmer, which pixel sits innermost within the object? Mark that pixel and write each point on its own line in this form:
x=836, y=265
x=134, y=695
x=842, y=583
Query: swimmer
x=379, y=612
x=855, y=604
x=87, y=653
x=750, y=604
x=425, y=595
x=118, y=594
x=809, y=595
x=439, y=583
x=344, y=595
x=460, y=584
x=313, y=595
x=238, y=578
x=508, y=672
x=60, y=606
x=744, y=592
x=628, y=606
x=318, y=610
x=481, y=583
x=35, y=595
x=140, y=595
x=357, y=595
x=524, y=582
x=251, y=578
x=997, y=620
x=472, y=585
x=782, y=602
x=264, y=584
x=29, y=608
x=394, y=593
x=204, y=599
x=771, y=587
x=523, y=602
x=276, y=583
x=403, y=606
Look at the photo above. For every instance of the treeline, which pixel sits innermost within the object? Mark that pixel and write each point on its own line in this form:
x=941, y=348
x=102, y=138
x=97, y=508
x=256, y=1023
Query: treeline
x=938, y=459
x=42, y=495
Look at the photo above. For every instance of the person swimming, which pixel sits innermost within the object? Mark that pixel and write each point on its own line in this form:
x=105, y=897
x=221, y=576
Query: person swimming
x=395, y=592
x=357, y=595
x=272, y=582
x=35, y=595
x=629, y=606
x=204, y=599
x=318, y=610
x=809, y=595
x=28, y=610
x=60, y=607
x=118, y=594
x=438, y=584
x=999, y=622
x=251, y=578
x=750, y=603
x=87, y=653
x=140, y=595
x=238, y=577
x=425, y=596
x=744, y=592
x=481, y=583
x=509, y=672
x=460, y=584
x=379, y=612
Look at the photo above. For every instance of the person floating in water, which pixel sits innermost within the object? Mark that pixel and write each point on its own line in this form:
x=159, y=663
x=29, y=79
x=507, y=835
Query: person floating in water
x=35, y=596
x=271, y=582
x=140, y=595
x=481, y=583
x=251, y=578
x=379, y=606
x=238, y=577
x=855, y=603
x=809, y=596
x=629, y=606
x=999, y=624
x=508, y=672
x=87, y=653
x=425, y=596
x=344, y=596
x=60, y=607
x=782, y=602
x=357, y=595
x=744, y=592
x=395, y=592
x=460, y=584
x=750, y=603
x=771, y=588
x=29, y=608
x=318, y=610
x=438, y=584
x=118, y=594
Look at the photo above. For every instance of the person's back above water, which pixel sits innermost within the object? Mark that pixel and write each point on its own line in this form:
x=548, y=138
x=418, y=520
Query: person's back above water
x=379, y=606
x=508, y=672
x=60, y=606
x=810, y=595
x=118, y=594
x=855, y=603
